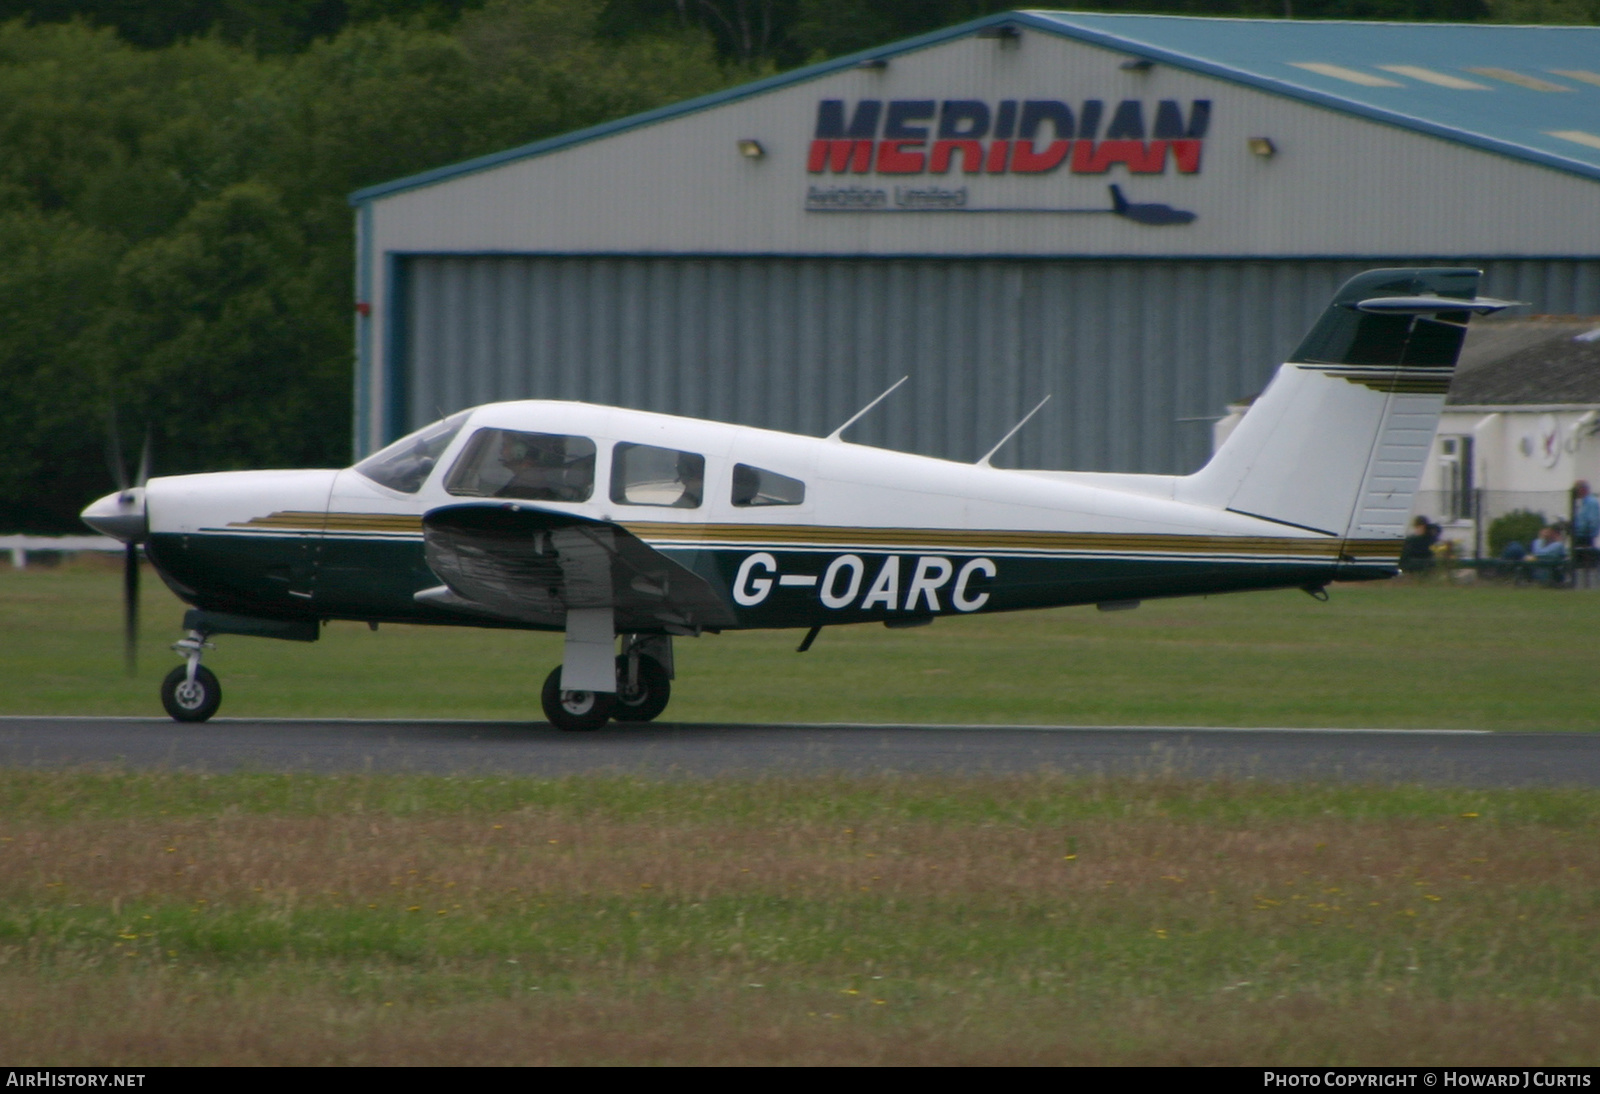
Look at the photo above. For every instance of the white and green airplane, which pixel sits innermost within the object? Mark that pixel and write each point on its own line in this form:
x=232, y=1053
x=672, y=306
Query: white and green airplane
x=611, y=524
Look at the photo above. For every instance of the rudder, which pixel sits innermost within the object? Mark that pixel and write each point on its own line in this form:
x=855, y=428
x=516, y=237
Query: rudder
x=1337, y=442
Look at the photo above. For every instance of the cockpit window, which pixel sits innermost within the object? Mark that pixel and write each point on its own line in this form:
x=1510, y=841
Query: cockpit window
x=642, y=474
x=502, y=463
x=752, y=486
x=405, y=464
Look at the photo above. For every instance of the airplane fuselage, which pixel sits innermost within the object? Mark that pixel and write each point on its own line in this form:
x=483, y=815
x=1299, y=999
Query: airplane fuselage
x=624, y=528
x=867, y=535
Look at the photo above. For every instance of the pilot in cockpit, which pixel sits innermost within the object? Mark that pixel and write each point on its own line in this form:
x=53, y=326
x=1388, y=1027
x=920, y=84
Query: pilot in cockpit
x=539, y=468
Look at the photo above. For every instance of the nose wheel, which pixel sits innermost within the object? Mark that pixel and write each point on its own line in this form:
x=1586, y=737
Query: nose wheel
x=191, y=700
x=190, y=693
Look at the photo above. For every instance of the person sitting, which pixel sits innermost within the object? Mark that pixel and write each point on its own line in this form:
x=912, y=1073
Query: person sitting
x=541, y=470
x=1548, y=557
x=1416, y=552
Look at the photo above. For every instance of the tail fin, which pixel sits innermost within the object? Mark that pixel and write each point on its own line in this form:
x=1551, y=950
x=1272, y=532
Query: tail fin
x=1337, y=442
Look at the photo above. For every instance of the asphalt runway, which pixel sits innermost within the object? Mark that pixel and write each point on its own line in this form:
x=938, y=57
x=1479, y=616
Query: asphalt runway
x=1441, y=757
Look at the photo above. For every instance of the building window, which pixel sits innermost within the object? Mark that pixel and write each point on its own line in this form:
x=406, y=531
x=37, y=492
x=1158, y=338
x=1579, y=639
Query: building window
x=1455, y=468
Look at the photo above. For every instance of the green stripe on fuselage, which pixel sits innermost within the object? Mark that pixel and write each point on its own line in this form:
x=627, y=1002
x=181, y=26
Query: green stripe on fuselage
x=314, y=577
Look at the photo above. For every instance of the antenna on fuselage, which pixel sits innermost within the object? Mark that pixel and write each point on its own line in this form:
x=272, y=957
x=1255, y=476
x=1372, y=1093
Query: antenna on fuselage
x=989, y=455
x=834, y=436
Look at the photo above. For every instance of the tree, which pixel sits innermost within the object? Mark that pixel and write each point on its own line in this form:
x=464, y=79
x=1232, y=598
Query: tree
x=217, y=338
x=54, y=273
x=175, y=237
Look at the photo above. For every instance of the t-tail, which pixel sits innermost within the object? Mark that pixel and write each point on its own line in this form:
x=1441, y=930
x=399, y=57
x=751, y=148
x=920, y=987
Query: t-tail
x=1337, y=442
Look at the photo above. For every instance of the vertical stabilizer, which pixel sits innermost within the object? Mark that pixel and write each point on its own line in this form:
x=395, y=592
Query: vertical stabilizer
x=1337, y=442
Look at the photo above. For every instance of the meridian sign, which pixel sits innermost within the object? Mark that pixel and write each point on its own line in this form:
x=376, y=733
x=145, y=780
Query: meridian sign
x=1026, y=137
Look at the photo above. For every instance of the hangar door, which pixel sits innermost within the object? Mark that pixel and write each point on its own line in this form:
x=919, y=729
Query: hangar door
x=1139, y=356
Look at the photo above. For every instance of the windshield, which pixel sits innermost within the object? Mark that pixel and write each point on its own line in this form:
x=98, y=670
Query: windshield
x=405, y=464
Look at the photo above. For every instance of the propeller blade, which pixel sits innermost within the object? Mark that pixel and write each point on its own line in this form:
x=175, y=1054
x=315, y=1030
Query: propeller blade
x=130, y=607
x=119, y=472
x=144, y=460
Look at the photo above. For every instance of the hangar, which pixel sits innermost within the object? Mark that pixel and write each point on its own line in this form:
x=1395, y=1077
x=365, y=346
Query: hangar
x=1139, y=215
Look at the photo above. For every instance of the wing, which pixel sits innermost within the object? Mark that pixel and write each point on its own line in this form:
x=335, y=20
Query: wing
x=520, y=563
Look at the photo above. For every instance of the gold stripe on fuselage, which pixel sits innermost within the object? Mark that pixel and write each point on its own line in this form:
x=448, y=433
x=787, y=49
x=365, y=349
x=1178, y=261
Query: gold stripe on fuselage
x=290, y=521
x=799, y=536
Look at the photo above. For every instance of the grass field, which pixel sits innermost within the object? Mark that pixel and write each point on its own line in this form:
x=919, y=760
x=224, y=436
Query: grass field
x=153, y=919
x=1399, y=655
x=175, y=918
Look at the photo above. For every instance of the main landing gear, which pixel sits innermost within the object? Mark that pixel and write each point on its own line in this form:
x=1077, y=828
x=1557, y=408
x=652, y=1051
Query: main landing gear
x=190, y=693
x=644, y=685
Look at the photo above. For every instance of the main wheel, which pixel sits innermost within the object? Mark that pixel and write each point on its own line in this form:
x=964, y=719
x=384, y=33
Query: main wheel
x=188, y=702
x=648, y=697
x=575, y=710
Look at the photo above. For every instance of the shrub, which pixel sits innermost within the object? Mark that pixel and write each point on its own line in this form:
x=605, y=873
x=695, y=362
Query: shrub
x=1521, y=525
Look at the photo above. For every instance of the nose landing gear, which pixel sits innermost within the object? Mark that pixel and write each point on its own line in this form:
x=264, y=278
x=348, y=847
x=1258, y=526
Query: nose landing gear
x=190, y=693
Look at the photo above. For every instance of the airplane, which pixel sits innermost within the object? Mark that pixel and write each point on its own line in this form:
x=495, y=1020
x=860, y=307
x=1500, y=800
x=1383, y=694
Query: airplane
x=626, y=529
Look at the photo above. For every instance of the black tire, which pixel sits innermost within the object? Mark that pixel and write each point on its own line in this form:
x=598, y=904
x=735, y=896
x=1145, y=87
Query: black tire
x=191, y=704
x=651, y=696
x=575, y=710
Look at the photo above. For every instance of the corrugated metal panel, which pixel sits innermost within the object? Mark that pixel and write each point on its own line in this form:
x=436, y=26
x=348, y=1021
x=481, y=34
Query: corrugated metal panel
x=1138, y=355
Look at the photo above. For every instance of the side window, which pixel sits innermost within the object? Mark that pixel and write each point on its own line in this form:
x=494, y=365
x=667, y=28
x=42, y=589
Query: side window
x=502, y=463
x=642, y=474
x=752, y=486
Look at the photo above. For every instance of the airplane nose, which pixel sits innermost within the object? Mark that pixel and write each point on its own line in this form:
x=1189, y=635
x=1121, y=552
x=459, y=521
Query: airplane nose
x=120, y=515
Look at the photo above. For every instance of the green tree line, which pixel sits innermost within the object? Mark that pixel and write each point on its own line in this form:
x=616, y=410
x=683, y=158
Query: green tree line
x=175, y=243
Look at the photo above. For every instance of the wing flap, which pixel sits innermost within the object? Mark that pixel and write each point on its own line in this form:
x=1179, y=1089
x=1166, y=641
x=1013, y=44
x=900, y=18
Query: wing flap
x=525, y=563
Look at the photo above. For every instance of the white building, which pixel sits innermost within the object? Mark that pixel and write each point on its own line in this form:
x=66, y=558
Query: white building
x=1521, y=425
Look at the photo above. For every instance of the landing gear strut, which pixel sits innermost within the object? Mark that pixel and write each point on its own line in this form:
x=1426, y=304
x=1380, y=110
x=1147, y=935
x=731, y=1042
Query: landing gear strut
x=190, y=693
x=644, y=685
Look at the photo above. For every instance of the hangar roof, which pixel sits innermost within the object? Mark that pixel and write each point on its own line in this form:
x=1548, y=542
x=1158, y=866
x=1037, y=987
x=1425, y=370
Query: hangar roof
x=1528, y=92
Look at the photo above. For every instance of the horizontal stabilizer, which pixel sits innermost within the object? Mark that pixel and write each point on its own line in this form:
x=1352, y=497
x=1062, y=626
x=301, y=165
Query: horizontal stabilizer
x=1427, y=305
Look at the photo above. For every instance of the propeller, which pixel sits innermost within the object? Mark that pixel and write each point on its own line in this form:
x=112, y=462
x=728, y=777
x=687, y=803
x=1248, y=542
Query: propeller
x=122, y=516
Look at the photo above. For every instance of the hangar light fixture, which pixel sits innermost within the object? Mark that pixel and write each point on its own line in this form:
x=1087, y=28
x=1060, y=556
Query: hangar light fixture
x=1263, y=147
x=751, y=148
x=874, y=62
x=1137, y=64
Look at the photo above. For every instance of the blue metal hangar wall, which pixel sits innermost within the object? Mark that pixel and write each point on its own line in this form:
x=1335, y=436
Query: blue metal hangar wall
x=1139, y=215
